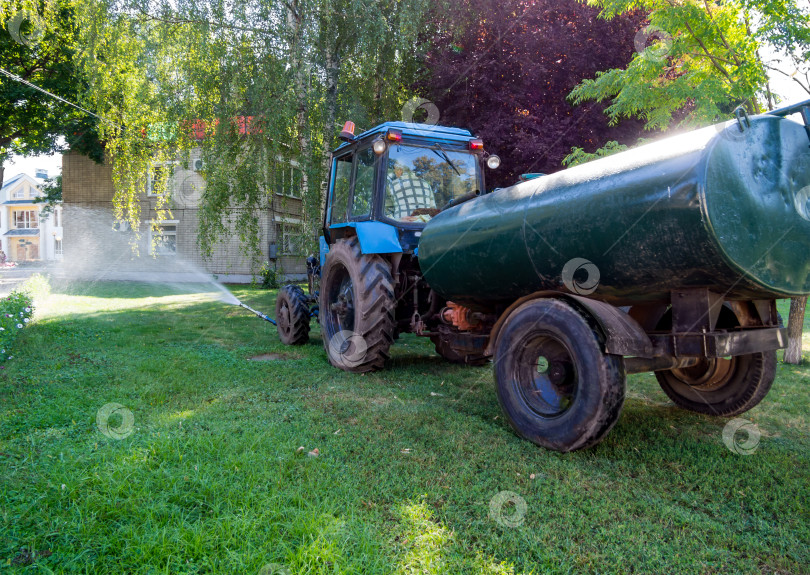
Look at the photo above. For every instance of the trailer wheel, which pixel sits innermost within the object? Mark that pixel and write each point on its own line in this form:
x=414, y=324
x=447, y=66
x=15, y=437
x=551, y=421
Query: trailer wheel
x=292, y=315
x=356, y=307
x=721, y=386
x=556, y=386
x=455, y=355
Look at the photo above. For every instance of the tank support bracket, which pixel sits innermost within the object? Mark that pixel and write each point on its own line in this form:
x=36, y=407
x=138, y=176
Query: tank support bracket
x=721, y=343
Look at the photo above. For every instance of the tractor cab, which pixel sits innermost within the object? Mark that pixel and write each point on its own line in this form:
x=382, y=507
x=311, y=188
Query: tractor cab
x=388, y=182
x=385, y=186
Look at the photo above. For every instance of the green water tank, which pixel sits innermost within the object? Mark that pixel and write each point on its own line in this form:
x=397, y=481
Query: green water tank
x=718, y=208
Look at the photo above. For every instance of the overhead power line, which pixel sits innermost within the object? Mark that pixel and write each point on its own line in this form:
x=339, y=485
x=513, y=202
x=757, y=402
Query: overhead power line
x=17, y=78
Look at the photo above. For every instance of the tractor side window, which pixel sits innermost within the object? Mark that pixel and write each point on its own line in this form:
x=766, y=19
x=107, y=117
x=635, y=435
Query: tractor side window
x=363, y=183
x=342, y=171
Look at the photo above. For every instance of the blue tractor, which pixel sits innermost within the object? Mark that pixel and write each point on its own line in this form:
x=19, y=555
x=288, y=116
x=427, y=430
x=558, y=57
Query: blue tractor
x=384, y=186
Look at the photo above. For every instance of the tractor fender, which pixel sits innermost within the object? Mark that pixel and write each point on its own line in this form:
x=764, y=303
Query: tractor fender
x=622, y=334
x=375, y=237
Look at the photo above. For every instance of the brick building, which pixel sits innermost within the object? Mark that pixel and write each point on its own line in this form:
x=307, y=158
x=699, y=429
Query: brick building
x=93, y=239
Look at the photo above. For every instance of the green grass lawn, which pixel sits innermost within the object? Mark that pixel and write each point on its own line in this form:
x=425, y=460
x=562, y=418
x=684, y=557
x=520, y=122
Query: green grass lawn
x=210, y=480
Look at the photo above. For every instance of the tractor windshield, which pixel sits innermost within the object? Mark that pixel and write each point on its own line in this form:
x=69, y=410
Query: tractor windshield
x=422, y=179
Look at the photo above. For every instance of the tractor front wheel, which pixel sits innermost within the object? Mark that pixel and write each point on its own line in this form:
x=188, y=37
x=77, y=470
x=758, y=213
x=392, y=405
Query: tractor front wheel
x=292, y=315
x=356, y=307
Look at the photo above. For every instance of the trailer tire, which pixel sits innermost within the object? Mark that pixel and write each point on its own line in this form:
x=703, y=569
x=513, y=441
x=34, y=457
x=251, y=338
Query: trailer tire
x=722, y=387
x=555, y=384
x=357, y=307
x=292, y=315
x=455, y=355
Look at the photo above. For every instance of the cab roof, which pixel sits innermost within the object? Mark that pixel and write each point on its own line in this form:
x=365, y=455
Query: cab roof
x=427, y=132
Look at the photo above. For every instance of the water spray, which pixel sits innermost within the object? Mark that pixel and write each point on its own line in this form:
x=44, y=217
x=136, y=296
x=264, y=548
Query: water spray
x=258, y=313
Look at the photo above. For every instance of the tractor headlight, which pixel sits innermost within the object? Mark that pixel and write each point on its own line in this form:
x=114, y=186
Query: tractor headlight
x=378, y=146
x=493, y=162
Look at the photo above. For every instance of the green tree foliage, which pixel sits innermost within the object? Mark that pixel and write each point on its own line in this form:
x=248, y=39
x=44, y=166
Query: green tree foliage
x=39, y=42
x=51, y=195
x=580, y=156
x=696, y=60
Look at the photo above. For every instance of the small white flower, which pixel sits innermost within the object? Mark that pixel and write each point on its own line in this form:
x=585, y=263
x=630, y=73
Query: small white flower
x=11, y=357
x=19, y=326
x=26, y=320
x=2, y=329
x=28, y=309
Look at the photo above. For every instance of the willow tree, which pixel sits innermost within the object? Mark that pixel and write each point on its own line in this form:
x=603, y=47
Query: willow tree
x=291, y=66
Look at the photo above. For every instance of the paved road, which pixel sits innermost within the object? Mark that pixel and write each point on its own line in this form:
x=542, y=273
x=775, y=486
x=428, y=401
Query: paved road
x=12, y=277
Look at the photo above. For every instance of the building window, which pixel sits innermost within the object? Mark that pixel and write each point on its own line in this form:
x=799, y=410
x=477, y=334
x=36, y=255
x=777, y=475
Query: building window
x=57, y=247
x=57, y=218
x=159, y=177
x=287, y=179
x=164, y=242
x=20, y=193
x=25, y=219
x=288, y=238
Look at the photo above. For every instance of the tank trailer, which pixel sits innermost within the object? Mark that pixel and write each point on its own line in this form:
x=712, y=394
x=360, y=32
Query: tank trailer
x=666, y=258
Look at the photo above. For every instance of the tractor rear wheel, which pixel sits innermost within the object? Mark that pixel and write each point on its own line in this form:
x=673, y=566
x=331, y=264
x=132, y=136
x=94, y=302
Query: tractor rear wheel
x=356, y=307
x=721, y=386
x=292, y=315
x=556, y=386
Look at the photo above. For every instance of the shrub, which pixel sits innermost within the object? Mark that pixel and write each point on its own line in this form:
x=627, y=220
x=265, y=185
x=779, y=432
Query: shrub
x=16, y=310
x=271, y=278
x=37, y=287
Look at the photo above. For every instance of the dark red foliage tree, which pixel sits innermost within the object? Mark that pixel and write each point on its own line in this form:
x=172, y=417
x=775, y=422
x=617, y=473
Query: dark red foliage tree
x=506, y=72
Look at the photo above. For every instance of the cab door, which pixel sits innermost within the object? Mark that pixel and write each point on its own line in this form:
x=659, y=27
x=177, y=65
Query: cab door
x=352, y=185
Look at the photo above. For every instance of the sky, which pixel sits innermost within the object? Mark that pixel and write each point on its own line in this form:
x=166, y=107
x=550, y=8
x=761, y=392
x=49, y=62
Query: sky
x=29, y=165
x=790, y=92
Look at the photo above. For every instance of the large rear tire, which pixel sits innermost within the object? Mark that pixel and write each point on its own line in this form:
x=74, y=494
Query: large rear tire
x=292, y=315
x=356, y=307
x=556, y=386
x=720, y=386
